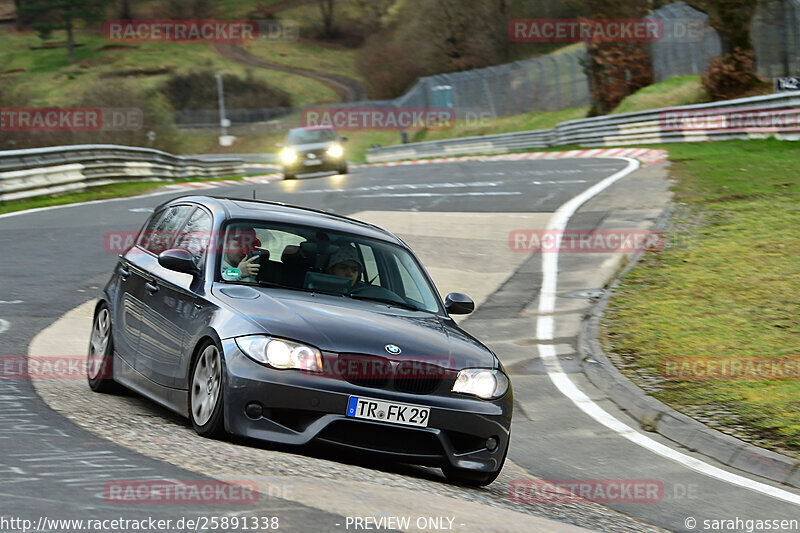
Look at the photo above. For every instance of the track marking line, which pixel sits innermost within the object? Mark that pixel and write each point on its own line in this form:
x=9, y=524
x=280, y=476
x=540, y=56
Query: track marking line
x=4, y=325
x=547, y=352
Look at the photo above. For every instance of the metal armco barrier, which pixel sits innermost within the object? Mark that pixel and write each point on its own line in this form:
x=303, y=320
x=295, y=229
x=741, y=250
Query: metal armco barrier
x=746, y=118
x=39, y=171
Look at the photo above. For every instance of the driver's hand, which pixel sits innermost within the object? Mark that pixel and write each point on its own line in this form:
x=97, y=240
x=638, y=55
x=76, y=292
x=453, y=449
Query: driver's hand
x=248, y=268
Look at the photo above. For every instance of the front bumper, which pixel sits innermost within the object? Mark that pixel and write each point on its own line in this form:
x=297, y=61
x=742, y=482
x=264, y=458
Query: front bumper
x=304, y=165
x=300, y=408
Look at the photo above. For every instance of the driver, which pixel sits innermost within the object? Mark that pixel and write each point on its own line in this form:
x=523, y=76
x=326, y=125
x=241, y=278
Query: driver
x=345, y=263
x=236, y=266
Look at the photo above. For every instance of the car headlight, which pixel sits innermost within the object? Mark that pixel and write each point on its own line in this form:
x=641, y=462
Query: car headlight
x=288, y=156
x=280, y=353
x=480, y=382
x=335, y=151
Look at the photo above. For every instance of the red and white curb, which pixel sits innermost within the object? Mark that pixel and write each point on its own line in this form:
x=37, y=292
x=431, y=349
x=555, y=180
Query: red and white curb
x=249, y=180
x=645, y=155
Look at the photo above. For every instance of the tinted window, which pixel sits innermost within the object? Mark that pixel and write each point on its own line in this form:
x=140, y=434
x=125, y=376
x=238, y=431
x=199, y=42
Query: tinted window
x=195, y=236
x=310, y=136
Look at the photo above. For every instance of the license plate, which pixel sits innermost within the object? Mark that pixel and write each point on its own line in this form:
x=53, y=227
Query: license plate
x=394, y=413
x=312, y=162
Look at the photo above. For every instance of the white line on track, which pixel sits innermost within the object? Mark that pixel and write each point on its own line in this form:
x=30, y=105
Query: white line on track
x=432, y=194
x=4, y=325
x=544, y=331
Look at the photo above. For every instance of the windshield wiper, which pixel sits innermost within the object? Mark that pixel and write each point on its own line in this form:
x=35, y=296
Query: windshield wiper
x=387, y=301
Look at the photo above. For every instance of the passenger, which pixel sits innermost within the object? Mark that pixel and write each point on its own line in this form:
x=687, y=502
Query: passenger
x=236, y=266
x=345, y=263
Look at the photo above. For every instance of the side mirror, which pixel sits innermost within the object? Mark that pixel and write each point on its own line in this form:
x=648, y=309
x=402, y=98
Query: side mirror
x=178, y=261
x=458, y=304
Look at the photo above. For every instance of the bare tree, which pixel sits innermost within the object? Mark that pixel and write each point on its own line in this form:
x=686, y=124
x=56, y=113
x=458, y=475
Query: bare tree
x=326, y=8
x=735, y=72
x=615, y=69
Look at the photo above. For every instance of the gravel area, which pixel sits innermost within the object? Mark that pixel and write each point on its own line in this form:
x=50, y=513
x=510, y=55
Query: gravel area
x=132, y=421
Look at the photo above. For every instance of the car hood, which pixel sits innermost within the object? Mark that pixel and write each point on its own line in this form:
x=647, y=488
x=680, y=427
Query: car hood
x=347, y=326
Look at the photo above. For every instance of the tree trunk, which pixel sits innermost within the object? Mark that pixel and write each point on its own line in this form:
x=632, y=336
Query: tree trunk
x=326, y=7
x=70, y=41
x=18, y=13
x=125, y=10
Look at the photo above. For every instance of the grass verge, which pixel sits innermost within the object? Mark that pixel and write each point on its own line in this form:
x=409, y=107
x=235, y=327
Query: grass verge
x=728, y=290
x=680, y=90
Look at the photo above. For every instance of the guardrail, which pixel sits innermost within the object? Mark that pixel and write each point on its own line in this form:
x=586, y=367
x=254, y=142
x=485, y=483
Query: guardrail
x=746, y=118
x=40, y=171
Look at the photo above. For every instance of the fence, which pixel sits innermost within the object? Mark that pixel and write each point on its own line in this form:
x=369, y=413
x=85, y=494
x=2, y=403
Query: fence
x=558, y=81
x=688, y=45
x=745, y=118
x=40, y=171
x=776, y=37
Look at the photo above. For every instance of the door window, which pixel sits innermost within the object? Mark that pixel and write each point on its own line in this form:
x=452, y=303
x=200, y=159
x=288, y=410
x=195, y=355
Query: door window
x=158, y=239
x=195, y=236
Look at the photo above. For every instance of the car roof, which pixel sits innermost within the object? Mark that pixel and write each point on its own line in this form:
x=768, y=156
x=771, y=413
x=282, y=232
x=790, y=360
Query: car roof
x=235, y=208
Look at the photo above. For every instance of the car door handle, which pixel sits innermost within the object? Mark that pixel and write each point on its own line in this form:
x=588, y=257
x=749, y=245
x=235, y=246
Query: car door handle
x=124, y=272
x=151, y=287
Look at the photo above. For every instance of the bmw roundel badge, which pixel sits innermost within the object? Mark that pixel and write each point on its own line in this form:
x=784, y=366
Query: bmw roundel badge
x=393, y=349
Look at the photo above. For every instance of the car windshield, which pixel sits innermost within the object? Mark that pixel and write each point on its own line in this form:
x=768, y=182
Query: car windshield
x=309, y=259
x=303, y=136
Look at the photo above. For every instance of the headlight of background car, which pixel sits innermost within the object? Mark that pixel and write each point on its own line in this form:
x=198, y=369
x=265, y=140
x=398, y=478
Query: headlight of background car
x=335, y=150
x=279, y=353
x=288, y=156
x=483, y=383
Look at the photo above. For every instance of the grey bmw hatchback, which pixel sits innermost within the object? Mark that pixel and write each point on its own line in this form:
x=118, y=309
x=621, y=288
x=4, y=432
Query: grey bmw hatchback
x=297, y=326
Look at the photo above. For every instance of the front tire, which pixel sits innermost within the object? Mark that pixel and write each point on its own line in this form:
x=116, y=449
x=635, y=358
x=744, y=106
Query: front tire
x=343, y=169
x=289, y=176
x=100, y=357
x=206, y=392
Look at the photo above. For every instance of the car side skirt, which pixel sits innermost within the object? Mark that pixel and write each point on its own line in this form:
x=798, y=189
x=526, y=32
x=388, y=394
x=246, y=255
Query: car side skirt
x=173, y=399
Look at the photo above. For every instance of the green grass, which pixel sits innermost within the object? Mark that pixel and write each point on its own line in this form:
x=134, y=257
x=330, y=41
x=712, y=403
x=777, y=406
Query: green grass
x=113, y=190
x=729, y=290
x=49, y=79
x=680, y=90
x=307, y=55
x=535, y=120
